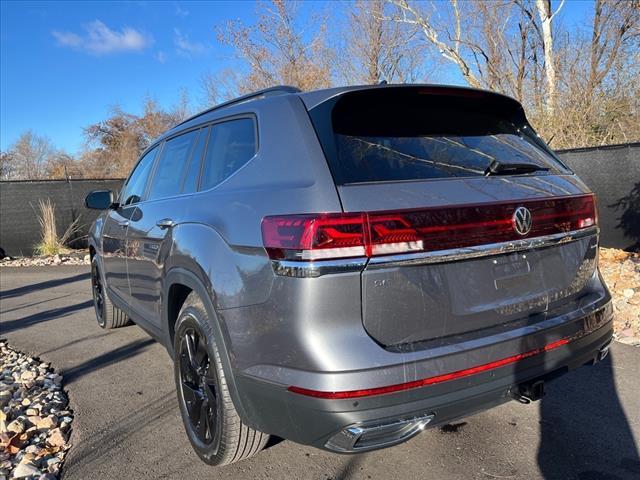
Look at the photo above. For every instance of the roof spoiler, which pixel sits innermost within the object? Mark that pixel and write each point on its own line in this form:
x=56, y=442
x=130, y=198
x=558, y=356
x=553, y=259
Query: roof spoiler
x=317, y=97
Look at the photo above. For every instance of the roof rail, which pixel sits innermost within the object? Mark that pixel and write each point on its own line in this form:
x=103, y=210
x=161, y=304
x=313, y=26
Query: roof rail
x=265, y=92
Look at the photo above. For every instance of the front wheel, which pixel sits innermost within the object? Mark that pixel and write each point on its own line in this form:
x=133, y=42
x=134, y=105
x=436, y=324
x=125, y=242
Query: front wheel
x=212, y=423
x=107, y=315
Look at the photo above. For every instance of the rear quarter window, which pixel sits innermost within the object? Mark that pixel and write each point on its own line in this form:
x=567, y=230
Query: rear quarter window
x=231, y=145
x=403, y=134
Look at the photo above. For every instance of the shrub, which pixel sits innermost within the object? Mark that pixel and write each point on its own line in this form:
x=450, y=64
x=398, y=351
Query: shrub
x=51, y=243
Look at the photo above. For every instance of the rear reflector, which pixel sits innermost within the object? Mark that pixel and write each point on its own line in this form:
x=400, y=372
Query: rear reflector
x=431, y=380
x=345, y=235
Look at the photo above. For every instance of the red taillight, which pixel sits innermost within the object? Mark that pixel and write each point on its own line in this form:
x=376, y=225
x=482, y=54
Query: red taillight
x=315, y=237
x=346, y=235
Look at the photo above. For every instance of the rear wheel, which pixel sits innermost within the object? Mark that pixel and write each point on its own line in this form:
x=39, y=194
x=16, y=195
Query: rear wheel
x=108, y=316
x=212, y=423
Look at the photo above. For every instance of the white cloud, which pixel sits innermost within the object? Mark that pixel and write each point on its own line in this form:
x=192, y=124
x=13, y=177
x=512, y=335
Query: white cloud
x=160, y=56
x=181, y=12
x=186, y=47
x=99, y=39
x=67, y=39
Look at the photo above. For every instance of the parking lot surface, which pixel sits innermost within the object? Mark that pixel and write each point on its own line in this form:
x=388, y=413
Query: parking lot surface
x=127, y=423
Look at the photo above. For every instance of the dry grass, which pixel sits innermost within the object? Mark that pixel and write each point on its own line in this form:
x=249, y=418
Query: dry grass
x=51, y=243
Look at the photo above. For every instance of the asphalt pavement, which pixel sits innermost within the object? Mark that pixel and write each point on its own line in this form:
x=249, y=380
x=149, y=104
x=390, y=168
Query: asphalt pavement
x=127, y=423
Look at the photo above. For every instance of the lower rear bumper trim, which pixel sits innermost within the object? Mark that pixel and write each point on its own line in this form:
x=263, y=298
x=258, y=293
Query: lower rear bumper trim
x=443, y=377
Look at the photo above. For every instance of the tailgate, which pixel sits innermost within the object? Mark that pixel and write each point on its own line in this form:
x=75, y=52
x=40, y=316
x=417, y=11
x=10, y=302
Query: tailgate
x=454, y=249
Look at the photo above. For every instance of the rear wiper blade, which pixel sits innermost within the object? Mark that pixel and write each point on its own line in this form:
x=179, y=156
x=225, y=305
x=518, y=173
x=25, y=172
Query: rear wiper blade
x=499, y=168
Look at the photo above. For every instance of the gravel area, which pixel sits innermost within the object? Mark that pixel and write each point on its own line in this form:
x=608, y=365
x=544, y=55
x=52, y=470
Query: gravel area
x=621, y=272
x=76, y=257
x=34, y=420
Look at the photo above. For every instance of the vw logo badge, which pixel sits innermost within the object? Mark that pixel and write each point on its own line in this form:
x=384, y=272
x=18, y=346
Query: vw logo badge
x=522, y=220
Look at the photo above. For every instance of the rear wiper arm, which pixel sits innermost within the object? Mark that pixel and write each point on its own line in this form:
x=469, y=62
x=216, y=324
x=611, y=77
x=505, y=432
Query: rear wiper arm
x=499, y=168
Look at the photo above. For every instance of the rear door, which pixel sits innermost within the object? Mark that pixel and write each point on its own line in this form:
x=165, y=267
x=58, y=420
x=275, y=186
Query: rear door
x=117, y=224
x=163, y=206
x=447, y=257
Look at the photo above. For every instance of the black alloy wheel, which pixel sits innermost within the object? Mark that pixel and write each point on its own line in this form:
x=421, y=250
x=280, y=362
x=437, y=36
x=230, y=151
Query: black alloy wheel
x=198, y=385
x=98, y=295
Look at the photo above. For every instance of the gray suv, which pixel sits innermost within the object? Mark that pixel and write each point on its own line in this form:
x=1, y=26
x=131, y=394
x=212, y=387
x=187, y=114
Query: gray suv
x=345, y=267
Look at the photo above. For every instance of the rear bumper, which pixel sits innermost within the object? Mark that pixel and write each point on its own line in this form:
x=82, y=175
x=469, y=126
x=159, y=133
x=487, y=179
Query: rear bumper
x=321, y=421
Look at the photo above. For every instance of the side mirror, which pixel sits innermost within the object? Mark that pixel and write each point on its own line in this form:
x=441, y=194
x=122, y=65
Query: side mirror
x=99, y=200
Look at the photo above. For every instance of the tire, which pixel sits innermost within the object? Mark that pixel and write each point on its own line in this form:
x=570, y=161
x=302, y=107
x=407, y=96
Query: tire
x=108, y=316
x=211, y=421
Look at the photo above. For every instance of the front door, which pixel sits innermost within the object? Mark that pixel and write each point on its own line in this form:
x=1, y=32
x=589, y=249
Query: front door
x=114, y=234
x=115, y=230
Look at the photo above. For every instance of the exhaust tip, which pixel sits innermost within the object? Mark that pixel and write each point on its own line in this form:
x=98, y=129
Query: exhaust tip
x=362, y=438
x=604, y=351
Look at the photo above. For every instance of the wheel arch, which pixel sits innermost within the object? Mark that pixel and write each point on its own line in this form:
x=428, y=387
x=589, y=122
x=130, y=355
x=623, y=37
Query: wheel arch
x=179, y=283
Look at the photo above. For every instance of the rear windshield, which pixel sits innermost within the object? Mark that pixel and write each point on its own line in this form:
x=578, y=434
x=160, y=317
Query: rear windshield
x=412, y=134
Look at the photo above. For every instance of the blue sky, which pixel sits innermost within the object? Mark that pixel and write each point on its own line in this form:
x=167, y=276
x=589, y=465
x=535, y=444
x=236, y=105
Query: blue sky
x=63, y=65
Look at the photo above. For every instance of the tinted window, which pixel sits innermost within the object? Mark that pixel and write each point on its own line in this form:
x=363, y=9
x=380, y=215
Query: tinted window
x=231, y=145
x=411, y=134
x=193, y=170
x=168, y=175
x=134, y=189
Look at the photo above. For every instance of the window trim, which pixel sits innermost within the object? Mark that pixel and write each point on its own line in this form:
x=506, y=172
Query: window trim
x=204, y=154
x=205, y=130
x=187, y=164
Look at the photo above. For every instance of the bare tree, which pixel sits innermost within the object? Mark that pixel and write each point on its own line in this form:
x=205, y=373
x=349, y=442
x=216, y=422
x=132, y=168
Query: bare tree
x=28, y=158
x=220, y=86
x=65, y=166
x=447, y=39
x=493, y=44
x=375, y=48
x=279, y=50
x=546, y=18
x=182, y=108
x=615, y=25
x=598, y=80
x=579, y=88
x=113, y=145
x=6, y=165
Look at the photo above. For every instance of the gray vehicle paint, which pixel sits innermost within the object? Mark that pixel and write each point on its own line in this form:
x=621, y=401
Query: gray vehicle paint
x=341, y=331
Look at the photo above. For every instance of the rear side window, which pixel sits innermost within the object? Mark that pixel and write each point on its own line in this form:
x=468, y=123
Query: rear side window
x=231, y=145
x=412, y=134
x=134, y=189
x=167, y=178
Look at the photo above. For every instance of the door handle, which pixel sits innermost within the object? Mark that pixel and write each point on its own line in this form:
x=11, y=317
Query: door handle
x=124, y=224
x=165, y=223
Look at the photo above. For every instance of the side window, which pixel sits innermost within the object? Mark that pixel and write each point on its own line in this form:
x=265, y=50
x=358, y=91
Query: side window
x=231, y=145
x=134, y=188
x=190, y=184
x=167, y=178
